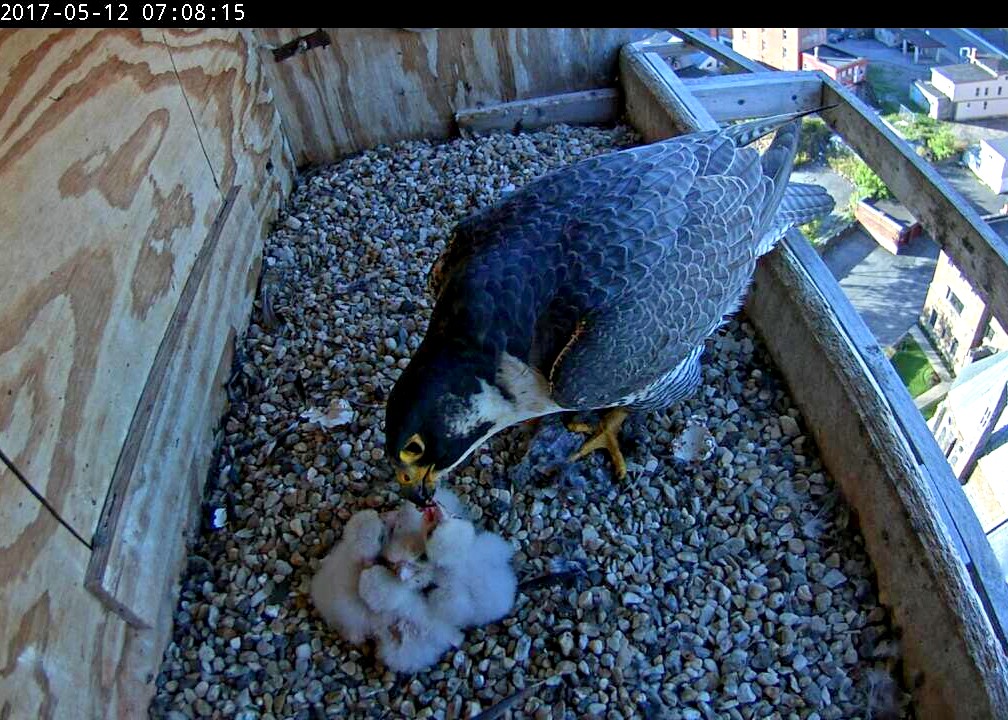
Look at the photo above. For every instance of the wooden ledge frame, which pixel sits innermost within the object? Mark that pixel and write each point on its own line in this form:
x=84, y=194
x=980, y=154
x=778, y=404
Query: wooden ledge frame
x=936, y=570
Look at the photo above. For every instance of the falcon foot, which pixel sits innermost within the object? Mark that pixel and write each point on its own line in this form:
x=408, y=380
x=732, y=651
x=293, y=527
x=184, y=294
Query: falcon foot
x=604, y=438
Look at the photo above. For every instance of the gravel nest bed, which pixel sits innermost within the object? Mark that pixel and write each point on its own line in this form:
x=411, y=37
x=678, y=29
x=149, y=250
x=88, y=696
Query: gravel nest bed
x=735, y=587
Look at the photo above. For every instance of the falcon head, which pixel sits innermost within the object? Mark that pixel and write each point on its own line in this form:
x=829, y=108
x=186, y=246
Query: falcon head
x=438, y=412
x=448, y=400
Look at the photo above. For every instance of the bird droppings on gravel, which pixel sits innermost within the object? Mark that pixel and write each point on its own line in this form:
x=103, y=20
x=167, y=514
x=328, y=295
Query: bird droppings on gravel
x=732, y=587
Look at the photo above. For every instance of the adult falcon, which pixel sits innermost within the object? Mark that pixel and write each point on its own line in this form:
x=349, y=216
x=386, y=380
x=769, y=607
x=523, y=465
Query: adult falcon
x=593, y=288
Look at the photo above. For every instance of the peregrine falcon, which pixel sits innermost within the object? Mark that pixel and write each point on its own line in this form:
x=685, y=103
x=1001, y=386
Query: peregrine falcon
x=593, y=288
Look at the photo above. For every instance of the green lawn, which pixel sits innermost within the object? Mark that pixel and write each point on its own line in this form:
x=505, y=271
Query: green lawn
x=890, y=86
x=913, y=367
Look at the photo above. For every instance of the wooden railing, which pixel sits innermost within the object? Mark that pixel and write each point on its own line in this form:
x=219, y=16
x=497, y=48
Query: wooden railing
x=935, y=567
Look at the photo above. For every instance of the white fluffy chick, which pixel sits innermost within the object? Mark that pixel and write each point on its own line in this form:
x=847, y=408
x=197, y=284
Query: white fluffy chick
x=472, y=571
x=410, y=637
x=408, y=529
x=334, y=588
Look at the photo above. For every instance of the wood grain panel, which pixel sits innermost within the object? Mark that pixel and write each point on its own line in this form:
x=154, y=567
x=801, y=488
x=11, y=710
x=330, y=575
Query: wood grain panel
x=372, y=86
x=586, y=107
x=62, y=655
x=223, y=79
x=108, y=198
x=142, y=537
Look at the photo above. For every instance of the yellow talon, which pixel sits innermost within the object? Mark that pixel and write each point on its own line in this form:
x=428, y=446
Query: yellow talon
x=604, y=438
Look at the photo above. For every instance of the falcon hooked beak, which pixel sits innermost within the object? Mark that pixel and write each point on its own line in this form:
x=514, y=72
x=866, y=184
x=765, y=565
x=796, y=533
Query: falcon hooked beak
x=414, y=476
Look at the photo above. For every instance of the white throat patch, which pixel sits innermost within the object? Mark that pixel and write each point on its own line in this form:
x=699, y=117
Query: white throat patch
x=525, y=384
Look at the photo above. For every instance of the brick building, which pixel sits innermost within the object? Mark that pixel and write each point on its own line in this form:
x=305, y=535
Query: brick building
x=780, y=48
x=957, y=319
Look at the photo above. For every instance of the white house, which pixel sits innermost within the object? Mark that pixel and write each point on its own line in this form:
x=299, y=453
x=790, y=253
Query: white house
x=990, y=163
x=976, y=89
x=971, y=427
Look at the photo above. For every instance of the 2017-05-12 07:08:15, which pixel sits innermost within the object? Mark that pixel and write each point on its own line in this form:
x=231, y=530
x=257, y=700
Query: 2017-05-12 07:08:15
x=120, y=12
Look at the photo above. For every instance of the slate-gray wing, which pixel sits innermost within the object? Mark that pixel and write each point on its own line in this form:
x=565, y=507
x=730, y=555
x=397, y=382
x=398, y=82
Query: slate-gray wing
x=629, y=346
x=610, y=273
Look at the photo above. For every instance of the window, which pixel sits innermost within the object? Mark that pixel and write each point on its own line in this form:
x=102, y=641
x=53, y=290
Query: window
x=999, y=89
x=978, y=92
x=745, y=35
x=783, y=52
x=989, y=332
x=985, y=105
x=954, y=301
x=953, y=347
x=933, y=318
x=985, y=91
x=956, y=451
x=945, y=438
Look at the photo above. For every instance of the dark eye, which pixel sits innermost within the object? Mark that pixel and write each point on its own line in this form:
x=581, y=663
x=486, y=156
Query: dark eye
x=423, y=557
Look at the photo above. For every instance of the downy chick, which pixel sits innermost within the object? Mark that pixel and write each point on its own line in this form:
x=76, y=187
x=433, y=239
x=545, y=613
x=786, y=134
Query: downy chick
x=408, y=528
x=472, y=571
x=334, y=587
x=410, y=637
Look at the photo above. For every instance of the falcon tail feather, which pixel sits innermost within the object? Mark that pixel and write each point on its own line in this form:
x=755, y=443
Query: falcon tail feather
x=744, y=133
x=803, y=203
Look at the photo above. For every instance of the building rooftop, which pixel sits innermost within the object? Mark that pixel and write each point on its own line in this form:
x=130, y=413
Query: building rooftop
x=832, y=56
x=928, y=88
x=998, y=145
x=966, y=72
x=994, y=63
x=894, y=210
x=921, y=39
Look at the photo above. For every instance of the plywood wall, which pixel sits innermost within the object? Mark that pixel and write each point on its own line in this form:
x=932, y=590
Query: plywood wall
x=139, y=169
x=381, y=85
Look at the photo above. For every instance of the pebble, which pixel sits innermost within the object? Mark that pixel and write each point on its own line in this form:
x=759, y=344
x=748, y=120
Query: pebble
x=789, y=426
x=834, y=578
x=722, y=581
x=745, y=694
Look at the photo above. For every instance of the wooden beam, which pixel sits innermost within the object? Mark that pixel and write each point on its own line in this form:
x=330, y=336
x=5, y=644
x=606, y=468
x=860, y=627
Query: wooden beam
x=952, y=658
x=975, y=249
x=655, y=111
x=588, y=107
x=796, y=305
x=153, y=496
x=741, y=96
x=960, y=518
x=382, y=85
x=978, y=252
x=665, y=45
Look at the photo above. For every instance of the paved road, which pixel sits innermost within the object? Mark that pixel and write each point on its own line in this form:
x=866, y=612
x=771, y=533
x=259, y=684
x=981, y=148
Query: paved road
x=887, y=290
x=996, y=39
